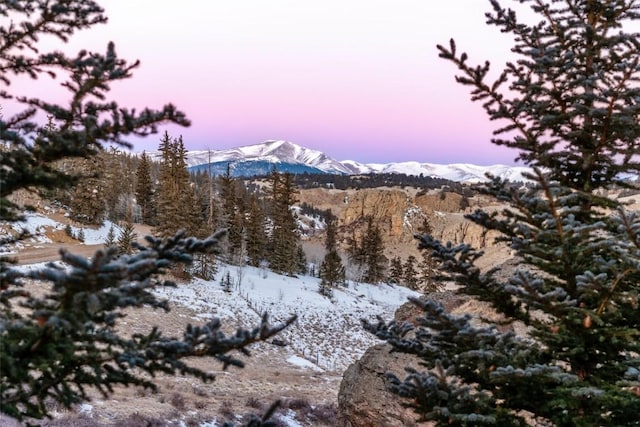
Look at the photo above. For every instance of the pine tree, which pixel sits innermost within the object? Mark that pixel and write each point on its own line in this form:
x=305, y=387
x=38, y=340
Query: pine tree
x=428, y=273
x=428, y=267
x=111, y=238
x=396, y=271
x=332, y=271
x=87, y=201
x=301, y=261
x=226, y=282
x=232, y=216
x=116, y=187
x=410, y=275
x=256, y=236
x=176, y=200
x=372, y=253
x=63, y=343
x=126, y=238
x=570, y=106
x=69, y=231
x=284, y=254
x=144, y=189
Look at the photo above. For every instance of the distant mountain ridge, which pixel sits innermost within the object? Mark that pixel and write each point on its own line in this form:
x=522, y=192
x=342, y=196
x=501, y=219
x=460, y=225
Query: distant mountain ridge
x=286, y=156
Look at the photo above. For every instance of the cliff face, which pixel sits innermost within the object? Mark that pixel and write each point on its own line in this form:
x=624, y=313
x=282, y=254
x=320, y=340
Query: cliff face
x=389, y=209
x=400, y=212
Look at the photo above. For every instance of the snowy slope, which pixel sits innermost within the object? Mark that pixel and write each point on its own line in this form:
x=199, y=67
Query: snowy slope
x=459, y=172
x=327, y=336
x=272, y=152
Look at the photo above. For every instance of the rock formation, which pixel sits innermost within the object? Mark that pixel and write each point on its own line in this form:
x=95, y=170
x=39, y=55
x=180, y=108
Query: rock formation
x=400, y=212
x=363, y=399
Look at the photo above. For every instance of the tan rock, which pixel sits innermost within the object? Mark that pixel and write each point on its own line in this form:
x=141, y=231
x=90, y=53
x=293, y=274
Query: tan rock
x=364, y=400
x=387, y=207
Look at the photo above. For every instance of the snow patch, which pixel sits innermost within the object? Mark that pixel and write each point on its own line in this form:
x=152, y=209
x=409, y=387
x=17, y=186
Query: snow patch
x=303, y=363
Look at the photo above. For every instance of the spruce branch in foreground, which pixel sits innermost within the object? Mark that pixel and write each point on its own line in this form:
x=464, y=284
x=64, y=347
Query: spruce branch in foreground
x=63, y=343
x=67, y=341
x=572, y=111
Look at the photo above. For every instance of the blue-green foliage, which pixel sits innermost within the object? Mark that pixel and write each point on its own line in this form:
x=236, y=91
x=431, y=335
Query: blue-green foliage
x=65, y=339
x=571, y=110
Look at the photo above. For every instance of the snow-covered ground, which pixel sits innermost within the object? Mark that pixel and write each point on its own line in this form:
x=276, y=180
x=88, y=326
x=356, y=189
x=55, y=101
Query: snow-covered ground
x=37, y=224
x=328, y=334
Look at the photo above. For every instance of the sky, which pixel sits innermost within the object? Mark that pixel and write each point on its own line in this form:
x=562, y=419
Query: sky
x=356, y=79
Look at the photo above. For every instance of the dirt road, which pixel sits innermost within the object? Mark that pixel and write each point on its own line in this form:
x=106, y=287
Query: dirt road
x=52, y=252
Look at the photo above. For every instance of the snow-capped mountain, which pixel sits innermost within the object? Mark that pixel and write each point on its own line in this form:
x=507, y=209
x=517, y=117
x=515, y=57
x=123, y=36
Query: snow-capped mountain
x=286, y=156
x=458, y=172
x=259, y=159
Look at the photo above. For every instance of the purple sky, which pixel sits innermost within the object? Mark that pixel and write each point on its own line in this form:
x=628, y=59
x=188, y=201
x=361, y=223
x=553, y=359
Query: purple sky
x=356, y=79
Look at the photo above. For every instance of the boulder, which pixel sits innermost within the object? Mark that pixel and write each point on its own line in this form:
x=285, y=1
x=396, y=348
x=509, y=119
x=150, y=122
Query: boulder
x=363, y=399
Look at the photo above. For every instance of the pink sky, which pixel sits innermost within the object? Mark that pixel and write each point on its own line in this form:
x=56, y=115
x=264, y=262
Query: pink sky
x=355, y=79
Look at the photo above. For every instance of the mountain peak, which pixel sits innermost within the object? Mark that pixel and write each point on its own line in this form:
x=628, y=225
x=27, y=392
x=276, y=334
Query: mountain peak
x=287, y=156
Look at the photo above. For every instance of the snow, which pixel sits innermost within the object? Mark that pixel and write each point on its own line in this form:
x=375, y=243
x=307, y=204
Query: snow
x=37, y=224
x=85, y=408
x=34, y=223
x=328, y=333
x=303, y=363
x=289, y=419
x=270, y=151
x=458, y=172
x=96, y=236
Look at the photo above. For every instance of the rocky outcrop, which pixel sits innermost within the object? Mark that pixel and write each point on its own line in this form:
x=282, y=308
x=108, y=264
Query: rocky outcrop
x=440, y=201
x=387, y=207
x=363, y=399
x=400, y=213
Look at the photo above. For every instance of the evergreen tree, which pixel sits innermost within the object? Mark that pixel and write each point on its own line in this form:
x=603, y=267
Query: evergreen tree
x=396, y=271
x=332, y=272
x=69, y=231
x=67, y=341
x=80, y=235
x=126, y=238
x=87, y=201
x=144, y=189
x=428, y=268
x=410, y=274
x=372, y=253
x=111, y=238
x=570, y=106
x=226, y=282
x=176, y=199
x=256, y=236
x=301, y=260
x=116, y=187
x=367, y=252
x=232, y=215
x=428, y=273
x=283, y=245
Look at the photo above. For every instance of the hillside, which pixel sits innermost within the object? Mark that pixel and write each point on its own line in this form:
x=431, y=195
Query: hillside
x=305, y=366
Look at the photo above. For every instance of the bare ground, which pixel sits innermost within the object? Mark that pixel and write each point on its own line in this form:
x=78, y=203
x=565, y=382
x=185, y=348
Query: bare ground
x=266, y=377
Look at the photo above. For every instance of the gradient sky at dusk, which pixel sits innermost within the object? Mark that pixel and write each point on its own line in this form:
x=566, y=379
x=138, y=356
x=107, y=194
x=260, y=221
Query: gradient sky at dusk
x=356, y=79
